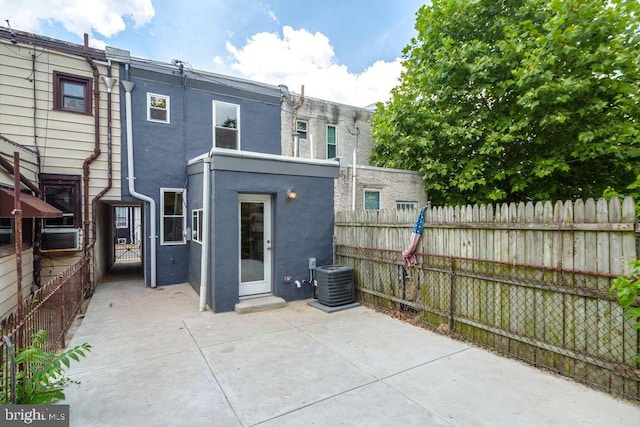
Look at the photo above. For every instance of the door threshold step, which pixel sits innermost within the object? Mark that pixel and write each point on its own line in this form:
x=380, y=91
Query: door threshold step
x=259, y=304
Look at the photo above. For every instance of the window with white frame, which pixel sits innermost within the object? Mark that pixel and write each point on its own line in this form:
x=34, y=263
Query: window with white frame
x=196, y=225
x=406, y=205
x=172, y=207
x=158, y=108
x=226, y=130
x=122, y=217
x=302, y=127
x=332, y=142
x=372, y=199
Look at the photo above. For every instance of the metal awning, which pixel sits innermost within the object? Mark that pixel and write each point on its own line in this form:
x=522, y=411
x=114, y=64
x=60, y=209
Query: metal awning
x=32, y=207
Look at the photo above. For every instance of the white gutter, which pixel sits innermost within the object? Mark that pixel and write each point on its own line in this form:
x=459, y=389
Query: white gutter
x=204, y=260
x=353, y=184
x=128, y=87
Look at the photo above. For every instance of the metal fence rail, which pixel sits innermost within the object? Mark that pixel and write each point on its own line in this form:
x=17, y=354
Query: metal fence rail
x=563, y=320
x=52, y=308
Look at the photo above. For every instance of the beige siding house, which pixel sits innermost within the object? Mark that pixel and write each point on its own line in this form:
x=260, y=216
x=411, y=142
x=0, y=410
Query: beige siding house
x=320, y=129
x=57, y=112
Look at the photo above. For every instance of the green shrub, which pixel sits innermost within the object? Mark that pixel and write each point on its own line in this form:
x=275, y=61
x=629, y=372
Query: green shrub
x=40, y=375
x=627, y=290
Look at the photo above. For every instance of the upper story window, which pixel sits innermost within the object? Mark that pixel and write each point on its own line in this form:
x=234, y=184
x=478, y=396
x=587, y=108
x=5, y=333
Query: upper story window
x=174, y=220
x=158, y=108
x=372, y=199
x=332, y=142
x=302, y=127
x=62, y=192
x=71, y=93
x=226, y=130
x=406, y=205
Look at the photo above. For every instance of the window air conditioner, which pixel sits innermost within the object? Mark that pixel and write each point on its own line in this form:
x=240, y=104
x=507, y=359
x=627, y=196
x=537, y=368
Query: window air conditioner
x=61, y=239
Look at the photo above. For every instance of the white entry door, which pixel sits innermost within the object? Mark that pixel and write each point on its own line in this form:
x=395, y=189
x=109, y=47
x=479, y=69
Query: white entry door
x=255, y=244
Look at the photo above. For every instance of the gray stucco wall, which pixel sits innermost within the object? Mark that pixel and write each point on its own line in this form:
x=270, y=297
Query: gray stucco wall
x=161, y=151
x=302, y=228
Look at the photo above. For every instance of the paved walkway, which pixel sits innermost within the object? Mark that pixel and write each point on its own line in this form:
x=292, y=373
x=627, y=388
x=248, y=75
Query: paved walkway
x=157, y=361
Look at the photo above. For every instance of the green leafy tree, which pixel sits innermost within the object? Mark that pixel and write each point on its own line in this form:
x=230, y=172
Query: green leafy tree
x=517, y=100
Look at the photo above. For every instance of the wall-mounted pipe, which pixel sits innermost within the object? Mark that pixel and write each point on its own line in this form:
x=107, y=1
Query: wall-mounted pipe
x=96, y=145
x=353, y=179
x=109, y=82
x=128, y=87
x=206, y=205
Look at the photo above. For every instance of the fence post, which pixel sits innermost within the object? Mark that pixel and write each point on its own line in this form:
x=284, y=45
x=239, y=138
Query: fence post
x=12, y=364
x=451, y=294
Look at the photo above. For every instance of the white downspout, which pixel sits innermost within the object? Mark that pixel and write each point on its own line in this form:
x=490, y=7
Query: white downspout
x=204, y=260
x=128, y=87
x=353, y=183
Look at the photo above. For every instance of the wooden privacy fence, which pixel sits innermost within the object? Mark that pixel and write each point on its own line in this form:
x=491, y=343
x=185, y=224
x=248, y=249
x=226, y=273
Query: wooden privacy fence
x=529, y=280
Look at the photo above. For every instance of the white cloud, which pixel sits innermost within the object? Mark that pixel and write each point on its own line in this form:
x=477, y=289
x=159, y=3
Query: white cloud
x=77, y=16
x=302, y=58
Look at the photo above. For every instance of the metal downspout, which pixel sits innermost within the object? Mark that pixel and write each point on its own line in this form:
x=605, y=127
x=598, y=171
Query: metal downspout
x=96, y=149
x=94, y=202
x=128, y=87
x=206, y=205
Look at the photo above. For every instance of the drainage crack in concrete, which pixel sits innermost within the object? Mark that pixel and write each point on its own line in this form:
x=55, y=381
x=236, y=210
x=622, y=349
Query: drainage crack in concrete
x=426, y=363
x=316, y=402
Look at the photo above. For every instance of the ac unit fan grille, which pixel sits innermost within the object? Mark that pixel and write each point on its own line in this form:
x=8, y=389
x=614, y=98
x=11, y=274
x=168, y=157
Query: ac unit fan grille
x=335, y=285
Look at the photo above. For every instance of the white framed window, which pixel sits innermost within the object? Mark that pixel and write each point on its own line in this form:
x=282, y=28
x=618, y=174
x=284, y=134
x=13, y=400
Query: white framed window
x=226, y=125
x=122, y=217
x=406, y=205
x=302, y=128
x=174, y=220
x=372, y=199
x=332, y=141
x=196, y=225
x=158, y=108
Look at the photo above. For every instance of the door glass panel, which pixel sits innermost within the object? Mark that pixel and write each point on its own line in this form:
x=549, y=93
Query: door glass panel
x=252, y=241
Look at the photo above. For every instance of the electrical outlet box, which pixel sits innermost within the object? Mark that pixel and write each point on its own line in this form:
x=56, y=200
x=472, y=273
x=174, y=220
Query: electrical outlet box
x=312, y=263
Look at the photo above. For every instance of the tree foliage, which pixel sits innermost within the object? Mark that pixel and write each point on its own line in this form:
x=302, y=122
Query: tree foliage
x=517, y=100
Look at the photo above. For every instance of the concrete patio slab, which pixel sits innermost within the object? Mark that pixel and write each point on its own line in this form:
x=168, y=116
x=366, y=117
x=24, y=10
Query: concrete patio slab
x=211, y=329
x=372, y=405
x=168, y=390
x=476, y=387
x=158, y=361
x=382, y=345
x=272, y=374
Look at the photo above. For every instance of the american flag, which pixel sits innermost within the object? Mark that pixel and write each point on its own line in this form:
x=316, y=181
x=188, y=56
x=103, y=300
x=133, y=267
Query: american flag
x=409, y=254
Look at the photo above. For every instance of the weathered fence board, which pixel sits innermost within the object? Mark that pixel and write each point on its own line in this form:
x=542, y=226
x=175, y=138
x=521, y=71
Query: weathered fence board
x=529, y=279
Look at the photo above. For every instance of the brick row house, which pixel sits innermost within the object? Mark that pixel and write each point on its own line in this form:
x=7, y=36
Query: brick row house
x=198, y=172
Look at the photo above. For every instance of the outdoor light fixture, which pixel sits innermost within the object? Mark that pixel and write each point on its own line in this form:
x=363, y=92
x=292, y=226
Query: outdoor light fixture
x=291, y=194
x=109, y=82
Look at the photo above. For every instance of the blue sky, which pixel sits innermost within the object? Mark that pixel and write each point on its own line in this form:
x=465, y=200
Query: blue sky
x=344, y=51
